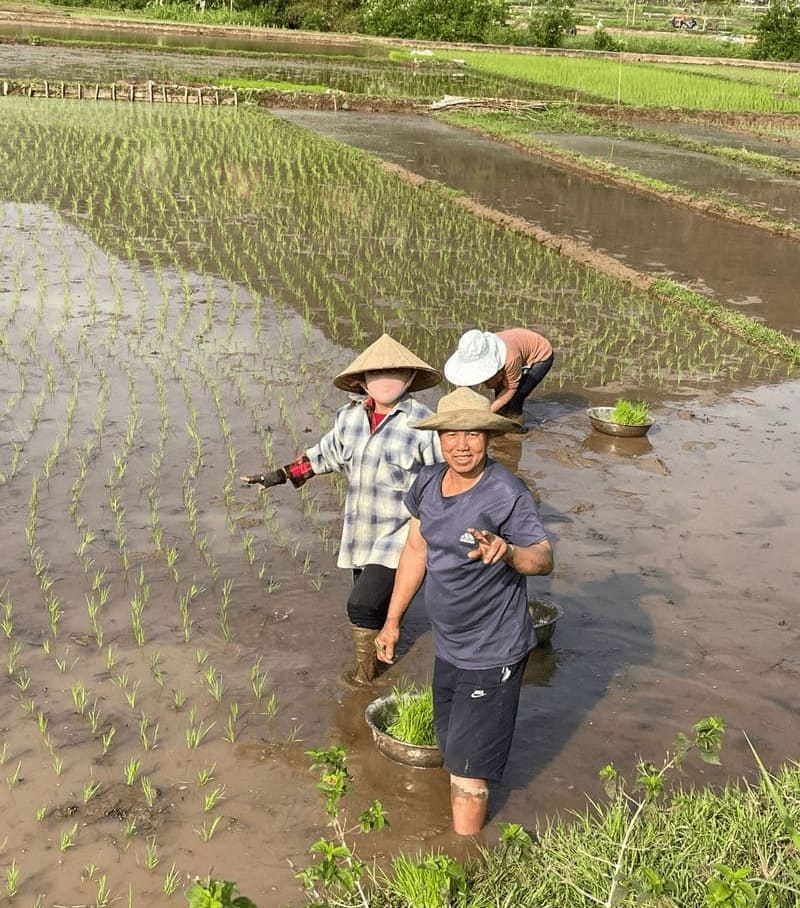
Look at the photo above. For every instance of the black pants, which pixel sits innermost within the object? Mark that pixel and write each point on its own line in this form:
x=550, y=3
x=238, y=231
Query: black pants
x=531, y=376
x=368, y=604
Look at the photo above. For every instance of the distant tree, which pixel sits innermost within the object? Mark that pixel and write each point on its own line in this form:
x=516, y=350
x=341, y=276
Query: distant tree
x=433, y=20
x=778, y=33
x=550, y=22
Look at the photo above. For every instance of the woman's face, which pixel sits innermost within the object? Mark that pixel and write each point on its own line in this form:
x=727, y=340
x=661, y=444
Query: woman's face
x=465, y=451
x=387, y=386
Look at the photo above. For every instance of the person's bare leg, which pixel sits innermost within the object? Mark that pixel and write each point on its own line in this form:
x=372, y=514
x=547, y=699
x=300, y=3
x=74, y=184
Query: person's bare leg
x=469, y=801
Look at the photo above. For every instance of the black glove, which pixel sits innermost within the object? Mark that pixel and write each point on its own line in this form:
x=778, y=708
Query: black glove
x=273, y=478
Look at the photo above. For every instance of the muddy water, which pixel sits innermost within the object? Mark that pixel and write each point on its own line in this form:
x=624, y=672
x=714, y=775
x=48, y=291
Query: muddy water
x=710, y=135
x=165, y=39
x=371, y=77
x=672, y=568
x=739, y=266
x=692, y=170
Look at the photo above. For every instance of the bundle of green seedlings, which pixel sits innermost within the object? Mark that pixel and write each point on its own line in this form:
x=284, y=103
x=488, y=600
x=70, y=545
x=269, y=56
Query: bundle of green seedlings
x=413, y=719
x=630, y=413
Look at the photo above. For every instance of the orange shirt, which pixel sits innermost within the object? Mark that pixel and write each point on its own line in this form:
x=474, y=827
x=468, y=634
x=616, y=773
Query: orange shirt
x=523, y=348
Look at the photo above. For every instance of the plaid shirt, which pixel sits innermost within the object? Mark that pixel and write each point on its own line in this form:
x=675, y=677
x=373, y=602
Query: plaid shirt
x=380, y=464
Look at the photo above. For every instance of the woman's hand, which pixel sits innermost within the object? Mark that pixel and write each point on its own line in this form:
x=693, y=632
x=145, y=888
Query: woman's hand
x=491, y=548
x=386, y=641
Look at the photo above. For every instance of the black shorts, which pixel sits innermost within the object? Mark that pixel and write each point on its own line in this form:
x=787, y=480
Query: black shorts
x=474, y=716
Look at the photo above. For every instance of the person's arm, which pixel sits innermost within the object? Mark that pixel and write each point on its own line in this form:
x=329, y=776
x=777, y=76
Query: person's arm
x=512, y=375
x=524, y=559
x=407, y=581
x=298, y=472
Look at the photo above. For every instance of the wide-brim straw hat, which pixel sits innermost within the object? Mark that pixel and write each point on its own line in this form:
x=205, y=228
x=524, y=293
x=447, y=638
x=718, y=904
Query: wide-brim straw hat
x=387, y=353
x=466, y=410
x=479, y=356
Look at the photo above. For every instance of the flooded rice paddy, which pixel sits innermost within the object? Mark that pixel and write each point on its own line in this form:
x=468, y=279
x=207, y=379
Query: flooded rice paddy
x=776, y=196
x=737, y=265
x=177, y=289
x=366, y=77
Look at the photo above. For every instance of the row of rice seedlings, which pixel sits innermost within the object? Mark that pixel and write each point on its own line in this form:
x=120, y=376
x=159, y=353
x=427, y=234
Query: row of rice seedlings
x=638, y=84
x=130, y=687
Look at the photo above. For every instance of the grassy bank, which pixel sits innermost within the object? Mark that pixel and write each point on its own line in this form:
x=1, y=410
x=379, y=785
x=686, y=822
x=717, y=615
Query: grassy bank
x=645, y=845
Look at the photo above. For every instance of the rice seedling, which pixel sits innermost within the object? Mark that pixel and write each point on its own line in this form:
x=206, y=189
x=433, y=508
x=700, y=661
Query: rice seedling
x=206, y=774
x=129, y=828
x=214, y=683
x=14, y=778
x=230, y=727
x=151, y=859
x=207, y=830
x=258, y=679
x=14, y=651
x=58, y=764
x=130, y=770
x=212, y=798
x=90, y=789
x=103, y=895
x=178, y=698
x=93, y=715
x=68, y=837
x=80, y=697
x=196, y=731
x=12, y=879
x=108, y=737
x=155, y=669
x=148, y=734
x=41, y=813
x=171, y=881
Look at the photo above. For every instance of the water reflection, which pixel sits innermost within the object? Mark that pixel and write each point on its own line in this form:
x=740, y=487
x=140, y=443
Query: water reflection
x=541, y=666
x=613, y=444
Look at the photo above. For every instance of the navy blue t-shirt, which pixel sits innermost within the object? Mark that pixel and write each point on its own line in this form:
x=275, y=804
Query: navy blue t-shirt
x=479, y=613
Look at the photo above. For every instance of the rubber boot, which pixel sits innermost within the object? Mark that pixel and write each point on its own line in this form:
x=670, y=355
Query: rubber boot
x=366, y=659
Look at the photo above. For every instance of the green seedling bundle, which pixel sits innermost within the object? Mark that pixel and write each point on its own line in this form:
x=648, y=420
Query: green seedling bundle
x=413, y=719
x=630, y=413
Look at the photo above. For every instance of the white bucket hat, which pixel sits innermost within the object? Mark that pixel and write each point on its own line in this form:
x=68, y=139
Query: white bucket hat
x=480, y=355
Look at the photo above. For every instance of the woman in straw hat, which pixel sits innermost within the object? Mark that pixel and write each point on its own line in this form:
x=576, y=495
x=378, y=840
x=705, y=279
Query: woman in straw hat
x=475, y=535
x=375, y=445
x=511, y=363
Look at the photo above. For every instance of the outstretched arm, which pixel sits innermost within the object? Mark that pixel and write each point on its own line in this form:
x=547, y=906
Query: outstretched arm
x=409, y=577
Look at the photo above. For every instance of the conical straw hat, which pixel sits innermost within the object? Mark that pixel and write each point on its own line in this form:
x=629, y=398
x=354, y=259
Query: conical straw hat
x=466, y=410
x=387, y=353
